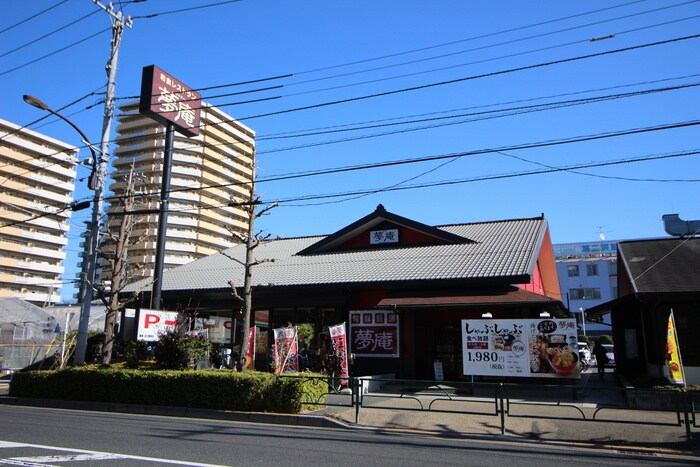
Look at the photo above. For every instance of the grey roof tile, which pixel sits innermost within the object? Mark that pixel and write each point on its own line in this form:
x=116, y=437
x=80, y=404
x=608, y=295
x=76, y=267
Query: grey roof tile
x=502, y=249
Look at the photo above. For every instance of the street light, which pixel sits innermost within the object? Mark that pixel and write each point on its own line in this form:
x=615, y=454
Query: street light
x=90, y=259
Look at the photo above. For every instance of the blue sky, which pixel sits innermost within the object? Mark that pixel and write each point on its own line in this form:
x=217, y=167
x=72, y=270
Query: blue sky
x=415, y=80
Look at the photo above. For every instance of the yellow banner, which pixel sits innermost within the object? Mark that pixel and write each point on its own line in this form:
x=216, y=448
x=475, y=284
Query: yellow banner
x=673, y=354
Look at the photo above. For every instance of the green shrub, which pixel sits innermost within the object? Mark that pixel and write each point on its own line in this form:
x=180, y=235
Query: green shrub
x=606, y=339
x=210, y=389
x=178, y=351
x=134, y=352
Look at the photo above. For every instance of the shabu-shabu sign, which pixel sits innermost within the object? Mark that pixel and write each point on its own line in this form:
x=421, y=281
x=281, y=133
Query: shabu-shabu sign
x=520, y=347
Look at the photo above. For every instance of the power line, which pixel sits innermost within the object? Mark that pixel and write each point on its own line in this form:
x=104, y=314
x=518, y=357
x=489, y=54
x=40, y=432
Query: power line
x=397, y=187
x=36, y=15
x=483, y=36
x=399, y=162
x=50, y=54
x=182, y=10
x=519, y=101
x=498, y=44
x=483, y=178
x=47, y=34
x=462, y=79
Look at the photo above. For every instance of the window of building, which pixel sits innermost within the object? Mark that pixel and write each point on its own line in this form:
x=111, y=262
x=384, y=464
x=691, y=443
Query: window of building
x=572, y=271
x=612, y=268
x=591, y=269
x=585, y=294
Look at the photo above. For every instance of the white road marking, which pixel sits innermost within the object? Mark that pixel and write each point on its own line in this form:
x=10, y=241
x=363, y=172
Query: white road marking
x=84, y=455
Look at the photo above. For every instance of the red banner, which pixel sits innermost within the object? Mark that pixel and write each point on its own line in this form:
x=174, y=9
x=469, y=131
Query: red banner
x=285, y=350
x=250, y=358
x=340, y=348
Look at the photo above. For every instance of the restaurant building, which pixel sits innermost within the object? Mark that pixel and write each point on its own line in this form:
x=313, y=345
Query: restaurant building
x=401, y=288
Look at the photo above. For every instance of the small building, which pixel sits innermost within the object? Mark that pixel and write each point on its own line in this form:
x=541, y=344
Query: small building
x=656, y=277
x=587, y=274
x=411, y=281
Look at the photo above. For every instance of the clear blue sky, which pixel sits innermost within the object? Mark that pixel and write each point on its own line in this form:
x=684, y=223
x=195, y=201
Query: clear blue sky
x=490, y=56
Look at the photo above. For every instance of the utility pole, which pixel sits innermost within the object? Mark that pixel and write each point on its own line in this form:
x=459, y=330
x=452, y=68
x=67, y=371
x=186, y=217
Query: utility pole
x=97, y=183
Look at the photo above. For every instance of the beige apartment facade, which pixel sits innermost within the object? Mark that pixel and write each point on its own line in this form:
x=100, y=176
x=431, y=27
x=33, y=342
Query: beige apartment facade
x=210, y=173
x=37, y=182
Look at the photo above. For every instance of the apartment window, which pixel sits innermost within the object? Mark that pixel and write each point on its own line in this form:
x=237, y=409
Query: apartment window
x=612, y=268
x=572, y=271
x=585, y=294
x=591, y=269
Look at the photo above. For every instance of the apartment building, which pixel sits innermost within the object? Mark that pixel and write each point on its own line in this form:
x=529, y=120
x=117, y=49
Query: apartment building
x=37, y=181
x=210, y=172
x=587, y=277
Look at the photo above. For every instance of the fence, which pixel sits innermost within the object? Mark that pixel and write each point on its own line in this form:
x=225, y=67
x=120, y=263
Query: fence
x=591, y=403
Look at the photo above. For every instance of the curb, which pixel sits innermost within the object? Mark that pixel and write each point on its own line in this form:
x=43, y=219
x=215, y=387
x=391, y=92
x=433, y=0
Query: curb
x=185, y=412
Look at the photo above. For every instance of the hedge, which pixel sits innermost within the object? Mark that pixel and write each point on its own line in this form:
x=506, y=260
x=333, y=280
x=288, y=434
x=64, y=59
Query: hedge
x=210, y=389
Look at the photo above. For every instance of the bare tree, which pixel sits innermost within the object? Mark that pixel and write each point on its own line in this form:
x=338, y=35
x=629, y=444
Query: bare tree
x=122, y=271
x=251, y=241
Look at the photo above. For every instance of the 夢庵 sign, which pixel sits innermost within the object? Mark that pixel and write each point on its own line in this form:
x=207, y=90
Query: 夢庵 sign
x=170, y=101
x=374, y=333
x=520, y=347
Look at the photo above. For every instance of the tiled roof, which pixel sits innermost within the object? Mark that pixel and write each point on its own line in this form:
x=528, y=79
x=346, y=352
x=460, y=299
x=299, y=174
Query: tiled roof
x=665, y=265
x=502, y=251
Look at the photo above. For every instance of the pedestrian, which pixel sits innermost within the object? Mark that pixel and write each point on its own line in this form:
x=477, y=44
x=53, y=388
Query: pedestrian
x=600, y=357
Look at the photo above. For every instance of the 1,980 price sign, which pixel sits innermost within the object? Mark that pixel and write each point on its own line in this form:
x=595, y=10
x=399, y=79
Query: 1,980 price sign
x=483, y=356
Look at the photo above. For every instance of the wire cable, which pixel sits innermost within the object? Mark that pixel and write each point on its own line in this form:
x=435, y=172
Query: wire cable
x=34, y=16
x=55, y=52
x=48, y=34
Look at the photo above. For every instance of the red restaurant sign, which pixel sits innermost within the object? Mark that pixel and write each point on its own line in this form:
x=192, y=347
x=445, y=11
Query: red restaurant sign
x=374, y=333
x=169, y=101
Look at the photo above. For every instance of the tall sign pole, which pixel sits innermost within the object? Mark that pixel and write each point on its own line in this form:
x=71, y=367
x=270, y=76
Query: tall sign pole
x=97, y=182
x=175, y=105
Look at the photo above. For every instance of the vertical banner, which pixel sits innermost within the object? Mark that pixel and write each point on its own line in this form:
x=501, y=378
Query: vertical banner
x=674, y=363
x=250, y=358
x=285, y=349
x=521, y=347
x=374, y=333
x=340, y=348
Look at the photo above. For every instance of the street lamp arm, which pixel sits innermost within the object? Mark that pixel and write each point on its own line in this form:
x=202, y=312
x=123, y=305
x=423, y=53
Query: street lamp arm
x=39, y=104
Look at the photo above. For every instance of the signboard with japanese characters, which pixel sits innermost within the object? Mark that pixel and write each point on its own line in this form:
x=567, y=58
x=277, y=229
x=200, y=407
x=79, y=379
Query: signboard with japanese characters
x=155, y=323
x=520, y=347
x=170, y=101
x=380, y=237
x=374, y=333
x=340, y=349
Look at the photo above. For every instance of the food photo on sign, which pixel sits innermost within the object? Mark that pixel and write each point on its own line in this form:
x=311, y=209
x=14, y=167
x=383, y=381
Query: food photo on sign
x=520, y=347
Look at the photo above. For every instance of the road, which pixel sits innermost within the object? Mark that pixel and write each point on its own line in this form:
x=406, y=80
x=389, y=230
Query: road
x=32, y=436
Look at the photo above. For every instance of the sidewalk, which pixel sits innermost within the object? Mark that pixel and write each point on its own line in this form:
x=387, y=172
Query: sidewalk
x=595, y=415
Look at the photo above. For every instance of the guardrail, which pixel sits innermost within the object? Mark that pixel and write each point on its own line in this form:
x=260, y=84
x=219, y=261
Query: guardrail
x=591, y=403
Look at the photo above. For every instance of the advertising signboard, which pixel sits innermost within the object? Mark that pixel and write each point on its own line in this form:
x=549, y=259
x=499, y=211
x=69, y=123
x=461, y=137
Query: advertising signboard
x=170, y=101
x=374, y=333
x=520, y=347
x=340, y=348
x=154, y=323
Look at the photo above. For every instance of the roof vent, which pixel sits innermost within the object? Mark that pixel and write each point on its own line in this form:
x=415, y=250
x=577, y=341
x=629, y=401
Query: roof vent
x=677, y=227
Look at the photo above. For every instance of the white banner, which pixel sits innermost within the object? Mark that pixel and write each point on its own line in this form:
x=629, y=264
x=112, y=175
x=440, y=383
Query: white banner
x=154, y=323
x=520, y=347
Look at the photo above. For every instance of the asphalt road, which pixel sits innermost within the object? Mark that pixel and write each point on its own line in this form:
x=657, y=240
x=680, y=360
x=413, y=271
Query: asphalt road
x=40, y=437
